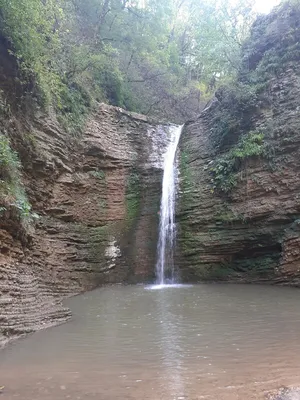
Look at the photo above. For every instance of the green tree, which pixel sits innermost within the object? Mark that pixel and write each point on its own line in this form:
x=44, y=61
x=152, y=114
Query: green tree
x=163, y=57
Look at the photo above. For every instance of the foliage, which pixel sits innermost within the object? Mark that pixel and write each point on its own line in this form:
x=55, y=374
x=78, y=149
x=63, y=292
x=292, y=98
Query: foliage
x=4, y=106
x=232, y=117
x=73, y=106
x=159, y=57
x=9, y=161
x=33, y=28
x=218, y=29
x=12, y=193
x=225, y=167
x=273, y=44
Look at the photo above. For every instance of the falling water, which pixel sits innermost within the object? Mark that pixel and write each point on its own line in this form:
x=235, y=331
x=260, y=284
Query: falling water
x=167, y=229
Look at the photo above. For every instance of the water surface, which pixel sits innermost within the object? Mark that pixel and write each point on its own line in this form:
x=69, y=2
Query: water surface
x=195, y=342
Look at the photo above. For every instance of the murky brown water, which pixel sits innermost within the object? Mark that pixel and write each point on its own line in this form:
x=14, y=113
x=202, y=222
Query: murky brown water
x=202, y=342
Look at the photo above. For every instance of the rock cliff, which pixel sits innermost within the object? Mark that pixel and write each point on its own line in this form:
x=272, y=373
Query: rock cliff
x=239, y=211
x=96, y=201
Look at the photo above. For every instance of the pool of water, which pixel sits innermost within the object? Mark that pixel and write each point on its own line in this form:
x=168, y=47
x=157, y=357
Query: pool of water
x=188, y=342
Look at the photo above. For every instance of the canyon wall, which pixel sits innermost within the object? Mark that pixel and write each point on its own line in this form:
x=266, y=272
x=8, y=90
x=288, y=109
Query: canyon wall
x=95, y=200
x=239, y=206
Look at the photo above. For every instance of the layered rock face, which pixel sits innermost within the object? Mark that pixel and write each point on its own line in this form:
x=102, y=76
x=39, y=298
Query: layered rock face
x=97, y=198
x=248, y=230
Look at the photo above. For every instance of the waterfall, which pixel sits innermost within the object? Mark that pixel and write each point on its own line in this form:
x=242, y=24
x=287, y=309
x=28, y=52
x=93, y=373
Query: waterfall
x=167, y=228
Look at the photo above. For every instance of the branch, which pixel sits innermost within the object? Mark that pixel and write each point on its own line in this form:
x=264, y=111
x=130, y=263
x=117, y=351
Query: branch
x=152, y=105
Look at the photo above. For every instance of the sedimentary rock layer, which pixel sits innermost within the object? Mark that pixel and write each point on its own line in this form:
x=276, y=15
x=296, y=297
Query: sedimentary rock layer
x=97, y=198
x=251, y=232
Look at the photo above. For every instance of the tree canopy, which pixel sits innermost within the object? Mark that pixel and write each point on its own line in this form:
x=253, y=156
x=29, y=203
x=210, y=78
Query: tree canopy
x=161, y=57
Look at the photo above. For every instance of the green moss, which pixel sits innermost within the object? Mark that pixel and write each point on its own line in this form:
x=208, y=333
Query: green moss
x=242, y=269
x=186, y=181
x=256, y=267
x=133, y=196
x=185, y=200
x=98, y=174
x=226, y=216
x=97, y=241
x=97, y=238
x=211, y=272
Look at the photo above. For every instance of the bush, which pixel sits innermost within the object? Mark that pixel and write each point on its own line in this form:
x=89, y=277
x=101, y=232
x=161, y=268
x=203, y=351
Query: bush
x=109, y=78
x=9, y=161
x=12, y=193
x=232, y=117
x=29, y=27
x=73, y=105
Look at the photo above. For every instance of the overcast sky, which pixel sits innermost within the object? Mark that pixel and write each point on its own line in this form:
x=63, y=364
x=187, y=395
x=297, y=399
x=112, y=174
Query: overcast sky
x=265, y=6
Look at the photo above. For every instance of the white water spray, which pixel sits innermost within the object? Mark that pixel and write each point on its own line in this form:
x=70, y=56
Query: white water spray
x=167, y=229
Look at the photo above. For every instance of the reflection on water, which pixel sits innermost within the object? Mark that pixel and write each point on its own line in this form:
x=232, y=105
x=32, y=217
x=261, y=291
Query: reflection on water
x=171, y=346
x=191, y=342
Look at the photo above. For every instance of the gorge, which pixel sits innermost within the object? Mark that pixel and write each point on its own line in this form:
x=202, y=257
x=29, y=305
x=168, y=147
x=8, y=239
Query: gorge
x=103, y=208
x=97, y=198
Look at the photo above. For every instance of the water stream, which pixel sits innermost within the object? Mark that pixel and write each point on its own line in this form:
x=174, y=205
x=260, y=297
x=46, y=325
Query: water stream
x=165, y=271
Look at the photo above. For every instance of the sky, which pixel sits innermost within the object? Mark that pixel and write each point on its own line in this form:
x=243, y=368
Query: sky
x=265, y=6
